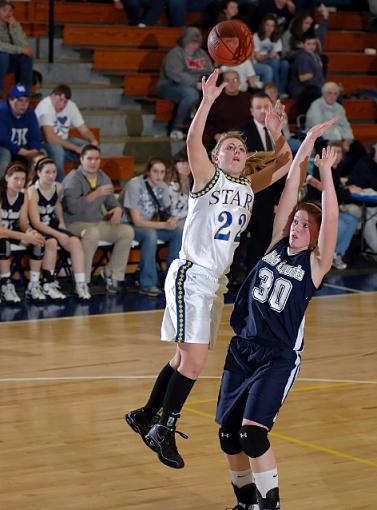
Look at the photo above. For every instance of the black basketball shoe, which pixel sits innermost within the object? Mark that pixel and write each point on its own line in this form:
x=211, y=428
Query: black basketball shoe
x=271, y=501
x=140, y=422
x=161, y=439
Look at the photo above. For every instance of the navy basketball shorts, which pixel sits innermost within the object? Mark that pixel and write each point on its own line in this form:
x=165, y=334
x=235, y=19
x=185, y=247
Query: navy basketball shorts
x=255, y=382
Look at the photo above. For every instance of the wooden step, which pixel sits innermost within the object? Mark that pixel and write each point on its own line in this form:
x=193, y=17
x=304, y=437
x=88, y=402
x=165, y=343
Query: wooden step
x=117, y=59
x=365, y=133
x=353, y=83
x=135, y=84
x=120, y=35
x=349, y=41
x=352, y=63
x=73, y=132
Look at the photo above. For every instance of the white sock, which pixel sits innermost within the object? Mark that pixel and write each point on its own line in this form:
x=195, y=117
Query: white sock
x=34, y=276
x=241, y=478
x=266, y=481
x=5, y=275
x=79, y=277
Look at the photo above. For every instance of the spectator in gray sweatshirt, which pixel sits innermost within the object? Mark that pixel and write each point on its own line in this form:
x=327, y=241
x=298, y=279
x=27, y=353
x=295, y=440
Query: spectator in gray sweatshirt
x=92, y=212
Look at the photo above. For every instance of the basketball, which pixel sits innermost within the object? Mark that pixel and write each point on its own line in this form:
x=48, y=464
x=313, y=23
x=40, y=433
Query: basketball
x=230, y=43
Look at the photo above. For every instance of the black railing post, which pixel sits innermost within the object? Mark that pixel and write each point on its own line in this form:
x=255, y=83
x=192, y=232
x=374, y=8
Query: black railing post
x=51, y=22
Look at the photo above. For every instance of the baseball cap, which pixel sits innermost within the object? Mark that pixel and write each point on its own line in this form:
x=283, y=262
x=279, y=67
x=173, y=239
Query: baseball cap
x=18, y=90
x=4, y=3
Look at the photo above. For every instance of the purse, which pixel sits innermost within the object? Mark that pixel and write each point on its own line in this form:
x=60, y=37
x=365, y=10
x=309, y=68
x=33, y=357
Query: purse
x=163, y=214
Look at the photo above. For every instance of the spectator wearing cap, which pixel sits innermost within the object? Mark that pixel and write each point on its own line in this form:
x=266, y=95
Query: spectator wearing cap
x=56, y=114
x=181, y=75
x=20, y=137
x=16, y=56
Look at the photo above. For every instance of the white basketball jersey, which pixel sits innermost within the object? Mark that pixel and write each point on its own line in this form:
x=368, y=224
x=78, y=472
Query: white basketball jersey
x=217, y=216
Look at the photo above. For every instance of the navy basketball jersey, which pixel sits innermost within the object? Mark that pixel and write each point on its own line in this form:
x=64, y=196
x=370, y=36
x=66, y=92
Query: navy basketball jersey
x=271, y=304
x=10, y=211
x=46, y=206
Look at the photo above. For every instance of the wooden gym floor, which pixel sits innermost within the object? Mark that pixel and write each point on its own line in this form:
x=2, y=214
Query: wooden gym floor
x=65, y=384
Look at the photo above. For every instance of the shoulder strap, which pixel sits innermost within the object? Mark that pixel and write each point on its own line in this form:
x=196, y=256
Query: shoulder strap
x=153, y=196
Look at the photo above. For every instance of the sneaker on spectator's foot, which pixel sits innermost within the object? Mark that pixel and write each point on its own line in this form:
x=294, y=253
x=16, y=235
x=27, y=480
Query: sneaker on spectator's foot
x=8, y=293
x=51, y=290
x=177, y=135
x=338, y=262
x=161, y=439
x=112, y=286
x=82, y=291
x=34, y=292
x=150, y=291
x=140, y=422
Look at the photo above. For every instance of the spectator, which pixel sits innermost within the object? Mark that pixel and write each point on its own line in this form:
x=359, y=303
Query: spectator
x=16, y=56
x=46, y=216
x=283, y=10
x=303, y=23
x=349, y=214
x=327, y=107
x=249, y=80
x=19, y=132
x=228, y=111
x=228, y=11
x=257, y=235
x=179, y=180
x=15, y=228
x=364, y=176
x=151, y=10
x=57, y=113
x=267, y=51
x=180, y=78
x=147, y=204
x=92, y=212
x=306, y=74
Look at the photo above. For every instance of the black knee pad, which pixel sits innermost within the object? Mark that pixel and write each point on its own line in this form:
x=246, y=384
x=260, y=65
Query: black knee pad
x=229, y=441
x=37, y=252
x=253, y=440
x=5, y=250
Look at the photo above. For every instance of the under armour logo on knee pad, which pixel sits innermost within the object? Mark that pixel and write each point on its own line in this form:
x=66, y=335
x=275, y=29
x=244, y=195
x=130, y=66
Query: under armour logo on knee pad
x=244, y=434
x=225, y=435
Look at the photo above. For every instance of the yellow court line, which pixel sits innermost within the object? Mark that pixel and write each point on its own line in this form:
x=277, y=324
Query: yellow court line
x=299, y=442
x=329, y=451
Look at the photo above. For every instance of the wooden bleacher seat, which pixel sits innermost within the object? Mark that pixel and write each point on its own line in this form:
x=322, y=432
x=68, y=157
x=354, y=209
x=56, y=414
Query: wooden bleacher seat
x=349, y=41
x=120, y=35
x=121, y=60
x=142, y=84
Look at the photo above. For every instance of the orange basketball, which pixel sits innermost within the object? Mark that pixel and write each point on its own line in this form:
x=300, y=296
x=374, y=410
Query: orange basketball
x=230, y=43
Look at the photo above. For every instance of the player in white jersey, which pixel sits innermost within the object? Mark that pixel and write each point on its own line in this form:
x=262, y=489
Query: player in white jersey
x=220, y=207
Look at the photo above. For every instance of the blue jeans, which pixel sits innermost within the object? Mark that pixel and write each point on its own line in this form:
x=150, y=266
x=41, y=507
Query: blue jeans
x=5, y=159
x=186, y=97
x=148, y=237
x=264, y=72
x=347, y=225
x=151, y=11
x=280, y=69
x=20, y=64
x=59, y=154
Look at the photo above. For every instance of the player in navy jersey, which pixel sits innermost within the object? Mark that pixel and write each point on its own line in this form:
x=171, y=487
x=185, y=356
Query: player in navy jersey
x=220, y=206
x=46, y=215
x=264, y=356
x=15, y=228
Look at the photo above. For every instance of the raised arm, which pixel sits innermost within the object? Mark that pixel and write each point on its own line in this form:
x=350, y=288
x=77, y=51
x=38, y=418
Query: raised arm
x=277, y=170
x=200, y=164
x=289, y=197
x=322, y=256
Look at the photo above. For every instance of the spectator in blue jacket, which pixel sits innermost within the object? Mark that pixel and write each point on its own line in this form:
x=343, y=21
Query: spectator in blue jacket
x=20, y=137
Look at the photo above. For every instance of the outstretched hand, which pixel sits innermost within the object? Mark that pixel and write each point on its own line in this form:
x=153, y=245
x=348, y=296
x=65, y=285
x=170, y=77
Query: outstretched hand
x=327, y=158
x=210, y=90
x=275, y=118
x=318, y=130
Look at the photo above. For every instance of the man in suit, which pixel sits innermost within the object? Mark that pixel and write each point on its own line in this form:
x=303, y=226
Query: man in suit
x=257, y=236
